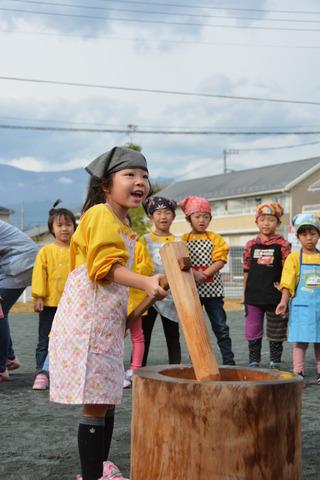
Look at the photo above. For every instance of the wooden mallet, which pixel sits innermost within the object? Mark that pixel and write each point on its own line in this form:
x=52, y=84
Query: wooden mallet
x=174, y=257
x=184, y=264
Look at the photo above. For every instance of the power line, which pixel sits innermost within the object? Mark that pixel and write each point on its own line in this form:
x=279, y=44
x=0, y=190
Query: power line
x=153, y=132
x=155, y=12
x=159, y=22
x=166, y=127
x=281, y=147
x=210, y=7
x=158, y=91
x=166, y=40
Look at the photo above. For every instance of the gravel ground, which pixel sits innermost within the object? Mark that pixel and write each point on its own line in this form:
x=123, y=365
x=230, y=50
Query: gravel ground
x=38, y=438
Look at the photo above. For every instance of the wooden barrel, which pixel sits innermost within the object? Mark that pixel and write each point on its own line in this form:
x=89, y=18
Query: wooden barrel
x=246, y=426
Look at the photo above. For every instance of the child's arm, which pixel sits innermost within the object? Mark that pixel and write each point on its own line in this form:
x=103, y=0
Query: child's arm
x=283, y=304
x=199, y=276
x=245, y=278
x=288, y=282
x=214, y=268
x=220, y=255
x=150, y=285
x=39, y=280
x=38, y=305
x=246, y=264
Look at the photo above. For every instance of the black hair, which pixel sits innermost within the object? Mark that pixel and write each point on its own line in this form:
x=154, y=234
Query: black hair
x=306, y=228
x=60, y=212
x=96, y=193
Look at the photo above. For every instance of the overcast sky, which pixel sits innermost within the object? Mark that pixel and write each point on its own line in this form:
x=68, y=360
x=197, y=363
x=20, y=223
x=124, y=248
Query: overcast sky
x=173, y=45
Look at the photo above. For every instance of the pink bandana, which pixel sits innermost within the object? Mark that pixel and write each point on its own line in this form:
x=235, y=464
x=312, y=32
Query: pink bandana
x=194, y=204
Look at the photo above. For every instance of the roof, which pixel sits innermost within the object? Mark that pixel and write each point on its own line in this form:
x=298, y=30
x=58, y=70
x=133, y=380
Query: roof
x=273, y=178
x=37, y=231
x=315, y=186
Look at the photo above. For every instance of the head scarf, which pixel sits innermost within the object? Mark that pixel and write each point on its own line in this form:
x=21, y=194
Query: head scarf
x=118, y=158
x=193, y=204
x=306, y=220
x=274, y=209
x=155, y=203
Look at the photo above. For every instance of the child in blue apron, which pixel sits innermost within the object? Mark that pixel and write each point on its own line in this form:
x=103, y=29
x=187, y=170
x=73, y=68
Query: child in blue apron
x=209, y=253
x=300, y=284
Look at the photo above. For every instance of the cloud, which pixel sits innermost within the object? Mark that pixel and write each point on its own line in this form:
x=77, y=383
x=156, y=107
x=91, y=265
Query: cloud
x=155, y=63
x=65, y=180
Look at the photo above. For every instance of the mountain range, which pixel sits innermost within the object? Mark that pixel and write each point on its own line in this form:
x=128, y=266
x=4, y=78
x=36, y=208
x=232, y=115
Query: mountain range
x=31, y=194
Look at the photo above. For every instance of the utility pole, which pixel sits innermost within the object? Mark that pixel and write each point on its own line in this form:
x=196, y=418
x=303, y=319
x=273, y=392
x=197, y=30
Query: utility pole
x=22, y=217
x=131, y=130
x=226, y=152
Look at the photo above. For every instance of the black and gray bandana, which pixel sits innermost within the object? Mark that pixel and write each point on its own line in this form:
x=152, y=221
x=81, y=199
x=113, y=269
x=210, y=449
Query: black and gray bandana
x=155, y=203
x=118, y=158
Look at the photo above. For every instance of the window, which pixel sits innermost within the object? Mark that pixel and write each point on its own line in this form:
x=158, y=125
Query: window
x=315, y=208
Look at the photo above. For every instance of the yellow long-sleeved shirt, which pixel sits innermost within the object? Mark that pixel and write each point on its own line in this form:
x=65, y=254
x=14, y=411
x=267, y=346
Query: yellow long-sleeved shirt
x=142, y=265
x=98, y=242
x=220, y=247
x=50, y=273
x=291, y=269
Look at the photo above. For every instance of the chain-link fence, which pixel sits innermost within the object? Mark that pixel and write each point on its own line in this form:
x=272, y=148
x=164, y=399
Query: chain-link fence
x=232, y=273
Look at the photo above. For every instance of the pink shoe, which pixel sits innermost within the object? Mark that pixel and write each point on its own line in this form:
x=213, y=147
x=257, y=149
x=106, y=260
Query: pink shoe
x=111, y=472
x=13, y=363
x=41, y=382
x=4, y=376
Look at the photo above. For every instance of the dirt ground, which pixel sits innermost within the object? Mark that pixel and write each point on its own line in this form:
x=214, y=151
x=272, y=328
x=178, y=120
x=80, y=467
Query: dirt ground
x=38, y=438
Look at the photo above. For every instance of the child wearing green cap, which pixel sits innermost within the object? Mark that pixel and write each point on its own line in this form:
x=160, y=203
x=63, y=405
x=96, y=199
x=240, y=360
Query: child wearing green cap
x=300, y=286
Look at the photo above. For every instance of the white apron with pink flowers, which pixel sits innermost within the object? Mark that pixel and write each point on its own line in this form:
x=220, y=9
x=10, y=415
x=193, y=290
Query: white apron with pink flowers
x=87, y=340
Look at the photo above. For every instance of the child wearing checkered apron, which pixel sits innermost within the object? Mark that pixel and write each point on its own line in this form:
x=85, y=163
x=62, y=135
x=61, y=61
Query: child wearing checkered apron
x=87, y=337
x=161, y=212
x=263, y=260
x=208, y=252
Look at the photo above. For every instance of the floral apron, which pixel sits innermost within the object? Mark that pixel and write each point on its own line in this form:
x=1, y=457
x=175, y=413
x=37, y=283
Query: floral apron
x=87, y=340
x=304, y=311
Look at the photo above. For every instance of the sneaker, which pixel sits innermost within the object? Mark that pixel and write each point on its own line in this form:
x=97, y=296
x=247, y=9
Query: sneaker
x=229, y=362
x=275, y=365
x=78, y=477
x=128, y=374
x=13, y=363
x=111, y=472
x=254, y=364
x=318, y=379
x=4, y=376
x=127, y=383
x=41, y=382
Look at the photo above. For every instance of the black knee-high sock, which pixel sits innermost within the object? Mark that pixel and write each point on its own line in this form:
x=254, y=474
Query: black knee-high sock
x=108, y=431
x=255, y=350
x=276, y=351
x=91, y=443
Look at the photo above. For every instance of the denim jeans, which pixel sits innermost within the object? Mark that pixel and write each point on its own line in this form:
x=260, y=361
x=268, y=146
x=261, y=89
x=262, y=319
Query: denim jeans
x=45, y=323
x=9, y=297
x=218, y=319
